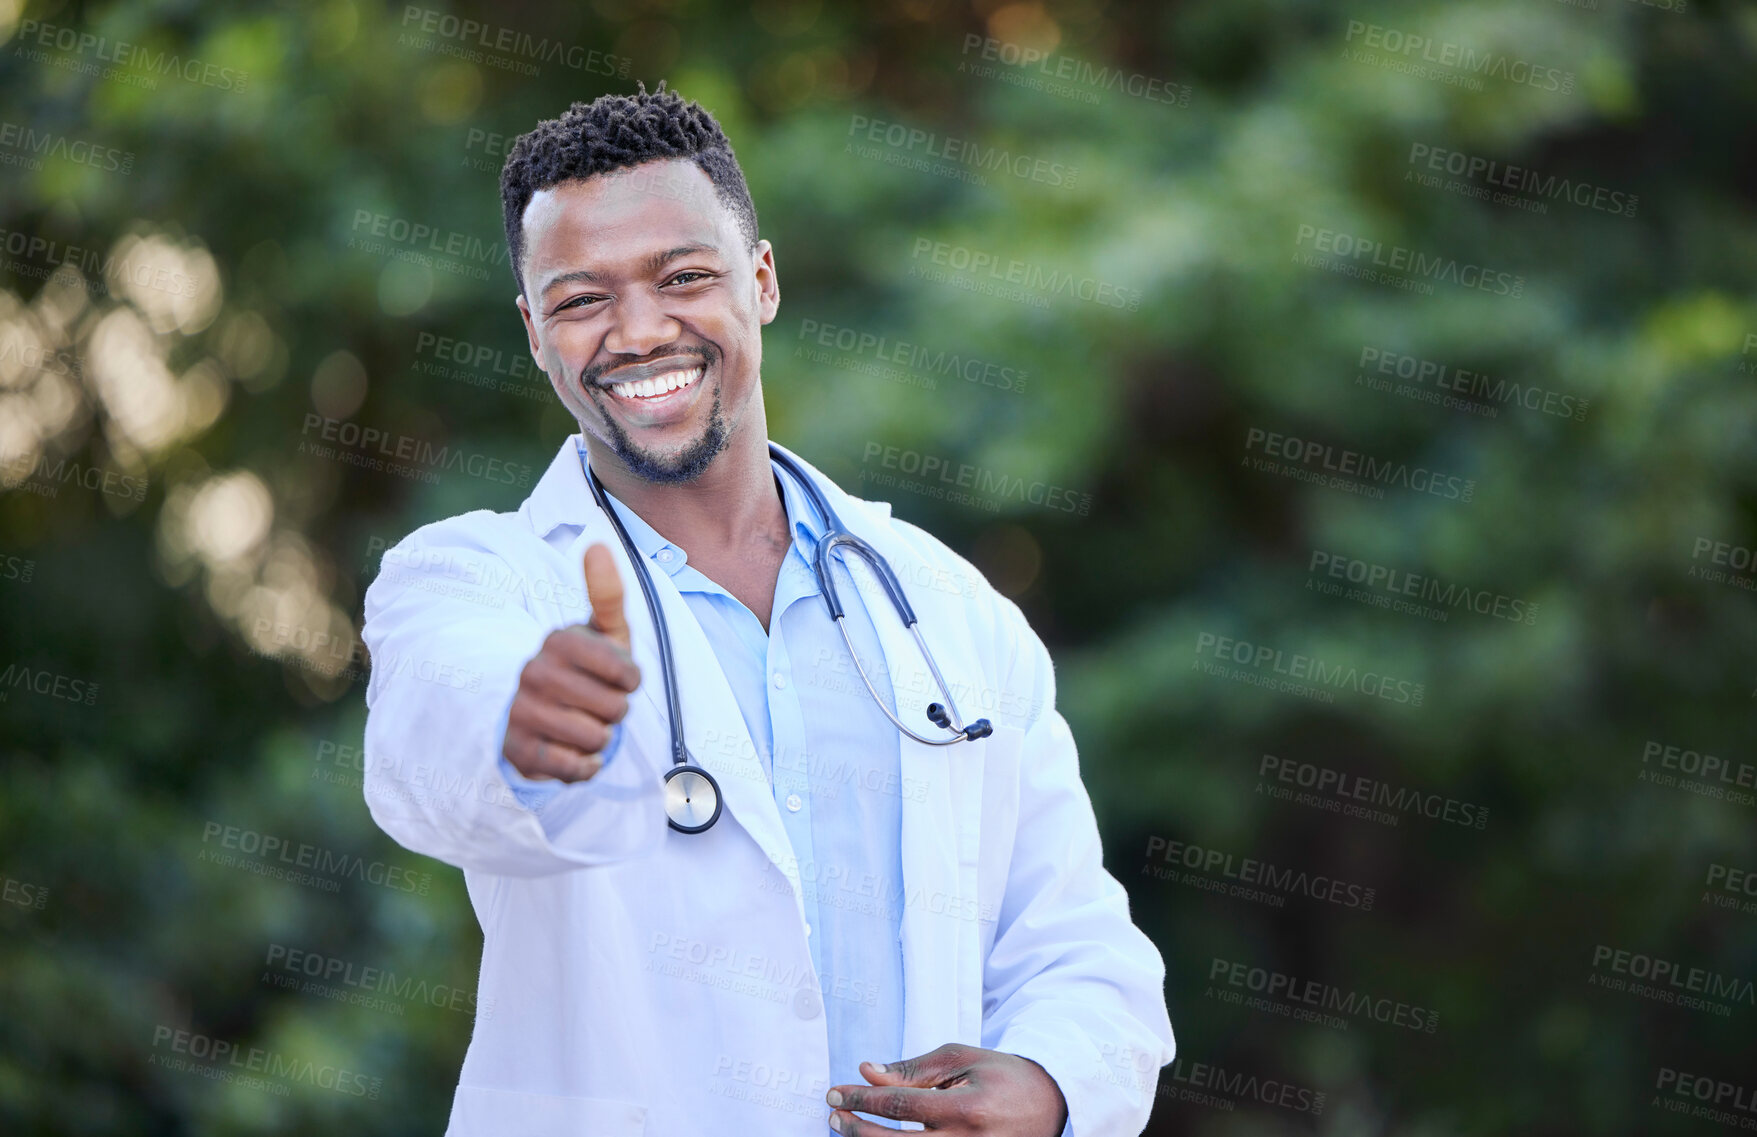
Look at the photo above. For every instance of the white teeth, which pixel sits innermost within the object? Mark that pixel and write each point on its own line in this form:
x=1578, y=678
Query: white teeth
x=657, y=385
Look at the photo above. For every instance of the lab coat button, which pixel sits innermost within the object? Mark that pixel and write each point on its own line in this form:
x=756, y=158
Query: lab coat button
x=793, y=802
x=806, y=1003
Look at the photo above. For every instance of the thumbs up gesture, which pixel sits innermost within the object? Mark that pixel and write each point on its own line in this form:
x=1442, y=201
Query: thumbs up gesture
x=576, y=687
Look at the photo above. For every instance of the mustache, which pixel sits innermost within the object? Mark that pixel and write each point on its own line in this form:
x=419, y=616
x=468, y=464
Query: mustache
x=592, y=375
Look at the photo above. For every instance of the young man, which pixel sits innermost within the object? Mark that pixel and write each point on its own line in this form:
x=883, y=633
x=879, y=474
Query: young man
x=874, y=926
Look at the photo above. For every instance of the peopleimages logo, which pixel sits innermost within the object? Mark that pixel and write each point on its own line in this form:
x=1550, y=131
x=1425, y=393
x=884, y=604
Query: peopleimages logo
x=1237, y=1085
x=466, y=35
x=372, y=987
x=927, y=364
x=124, y=55
x=42, y=681
x=1220, y=866
x=100, y=267
x=1408, y=265
x=1506, y=183
x=1335, y=790
x=1300, y=671
x=1666, y=981
x=229, y=1061
x=1704, y=1090
x=926, y=146
x=370, y=445
x=1063, y=74
x=32, y=146
x=1419, y=50
x=1384, y=586
x=1355, y=466
x=1421, y=373
x=979, y=479
x=1281, y=993
x=1011, y=271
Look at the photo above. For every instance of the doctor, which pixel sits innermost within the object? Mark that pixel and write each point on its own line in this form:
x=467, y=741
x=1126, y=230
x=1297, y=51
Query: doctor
x=876, y=931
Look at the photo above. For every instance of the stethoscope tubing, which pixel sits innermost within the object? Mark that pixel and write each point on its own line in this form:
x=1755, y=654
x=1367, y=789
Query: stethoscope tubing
x=686, y=782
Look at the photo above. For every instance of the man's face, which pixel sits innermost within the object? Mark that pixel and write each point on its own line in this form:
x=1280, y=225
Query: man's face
x=637, y=281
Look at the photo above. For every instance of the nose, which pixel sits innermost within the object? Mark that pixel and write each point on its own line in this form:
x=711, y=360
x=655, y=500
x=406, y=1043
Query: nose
x=639, y=326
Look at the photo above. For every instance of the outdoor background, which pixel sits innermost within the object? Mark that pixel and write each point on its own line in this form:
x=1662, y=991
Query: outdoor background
x=1131, y=249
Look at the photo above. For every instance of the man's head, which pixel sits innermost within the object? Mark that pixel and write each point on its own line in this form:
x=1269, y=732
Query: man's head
x=633, y=239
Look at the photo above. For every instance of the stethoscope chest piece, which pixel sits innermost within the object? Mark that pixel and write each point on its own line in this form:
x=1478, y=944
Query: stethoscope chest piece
x=692, y=798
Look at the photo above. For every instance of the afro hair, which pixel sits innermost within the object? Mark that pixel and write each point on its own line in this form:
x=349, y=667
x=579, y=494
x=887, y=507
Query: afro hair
x=616, y=132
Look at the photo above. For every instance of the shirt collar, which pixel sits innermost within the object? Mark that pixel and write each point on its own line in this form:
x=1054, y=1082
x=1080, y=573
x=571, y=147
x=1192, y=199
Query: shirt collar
x=807, y=525
x=562, y=498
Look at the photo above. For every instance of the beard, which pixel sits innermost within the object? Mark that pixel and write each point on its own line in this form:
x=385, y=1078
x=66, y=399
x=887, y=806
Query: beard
x=683, y=465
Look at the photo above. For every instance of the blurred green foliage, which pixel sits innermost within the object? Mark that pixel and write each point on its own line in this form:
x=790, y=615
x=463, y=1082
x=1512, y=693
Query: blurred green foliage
x=222, y=210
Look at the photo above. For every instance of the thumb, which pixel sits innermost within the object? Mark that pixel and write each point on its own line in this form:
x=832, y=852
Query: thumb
x=604, y=594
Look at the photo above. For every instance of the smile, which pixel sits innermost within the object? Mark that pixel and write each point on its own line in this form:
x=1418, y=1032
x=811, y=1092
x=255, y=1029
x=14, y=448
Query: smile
x=658, y=386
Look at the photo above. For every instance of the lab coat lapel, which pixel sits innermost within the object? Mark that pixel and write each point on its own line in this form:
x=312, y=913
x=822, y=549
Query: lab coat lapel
x=713, y=727
x=718, y=740
x=931, y=947
x=941, y=963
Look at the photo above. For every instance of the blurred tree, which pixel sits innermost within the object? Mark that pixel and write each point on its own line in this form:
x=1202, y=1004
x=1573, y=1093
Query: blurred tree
x=1357, y=398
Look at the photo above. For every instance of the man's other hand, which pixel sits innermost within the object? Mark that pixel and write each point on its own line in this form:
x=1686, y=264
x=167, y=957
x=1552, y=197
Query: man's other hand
x=954, y=1089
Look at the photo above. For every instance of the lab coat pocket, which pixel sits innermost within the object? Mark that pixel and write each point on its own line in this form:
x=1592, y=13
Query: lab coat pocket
x=478, y=1111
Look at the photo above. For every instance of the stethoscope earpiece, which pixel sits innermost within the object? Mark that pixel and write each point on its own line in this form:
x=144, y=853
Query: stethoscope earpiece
x=978, y=729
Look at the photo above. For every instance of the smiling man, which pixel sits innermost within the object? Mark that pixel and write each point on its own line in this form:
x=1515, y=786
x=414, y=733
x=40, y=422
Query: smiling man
x=887, y=915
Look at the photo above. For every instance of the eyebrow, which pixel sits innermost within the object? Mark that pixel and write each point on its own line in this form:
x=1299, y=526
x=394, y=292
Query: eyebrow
x=653, y=264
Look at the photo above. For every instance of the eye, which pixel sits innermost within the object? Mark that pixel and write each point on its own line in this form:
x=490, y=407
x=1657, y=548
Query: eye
x=574, y=303
x=684, y=277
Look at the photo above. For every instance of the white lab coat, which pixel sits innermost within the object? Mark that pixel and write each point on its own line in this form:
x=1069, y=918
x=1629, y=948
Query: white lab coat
x=637, y=980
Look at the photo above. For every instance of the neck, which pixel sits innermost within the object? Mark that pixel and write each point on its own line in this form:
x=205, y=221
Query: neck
x=734, y=501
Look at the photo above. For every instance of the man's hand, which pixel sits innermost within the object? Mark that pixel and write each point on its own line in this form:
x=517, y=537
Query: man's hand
x=576, y=687
x=955, y=1089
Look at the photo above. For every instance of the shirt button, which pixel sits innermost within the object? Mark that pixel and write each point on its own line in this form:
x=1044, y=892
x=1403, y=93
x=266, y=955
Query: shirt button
x=793, y=804
x=806, y=1003
x=665, y=554
x=780, y=681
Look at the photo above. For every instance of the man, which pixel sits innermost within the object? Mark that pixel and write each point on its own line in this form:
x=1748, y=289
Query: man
x=876, y=927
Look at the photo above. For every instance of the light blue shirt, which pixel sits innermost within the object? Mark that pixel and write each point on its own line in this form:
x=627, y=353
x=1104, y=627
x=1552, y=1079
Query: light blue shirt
x=834, y=767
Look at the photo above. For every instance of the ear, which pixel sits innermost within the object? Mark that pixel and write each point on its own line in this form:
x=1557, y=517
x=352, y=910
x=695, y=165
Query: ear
x=768, y=285
x=530, y=329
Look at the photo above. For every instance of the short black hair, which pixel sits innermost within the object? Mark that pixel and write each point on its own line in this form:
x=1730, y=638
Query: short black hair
x=615, y=132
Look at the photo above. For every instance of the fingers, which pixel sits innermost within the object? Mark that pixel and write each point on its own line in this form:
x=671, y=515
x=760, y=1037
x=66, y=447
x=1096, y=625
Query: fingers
x=551, y=736
x=556, y=679
x=584, y=648
x=935, y=1089
x=604, y=593
x=936, y=1067
x=564, y=727
x=850, y=1126
x=932, y=1107
x=563, y=763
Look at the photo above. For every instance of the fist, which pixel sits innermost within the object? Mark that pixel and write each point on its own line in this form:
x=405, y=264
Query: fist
x=576, y=687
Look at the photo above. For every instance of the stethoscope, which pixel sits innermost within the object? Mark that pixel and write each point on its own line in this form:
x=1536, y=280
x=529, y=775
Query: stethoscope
x=692, y=797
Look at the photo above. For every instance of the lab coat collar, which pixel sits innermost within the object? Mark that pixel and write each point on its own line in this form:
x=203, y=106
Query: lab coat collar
x=561, y=496
x=807, y=527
